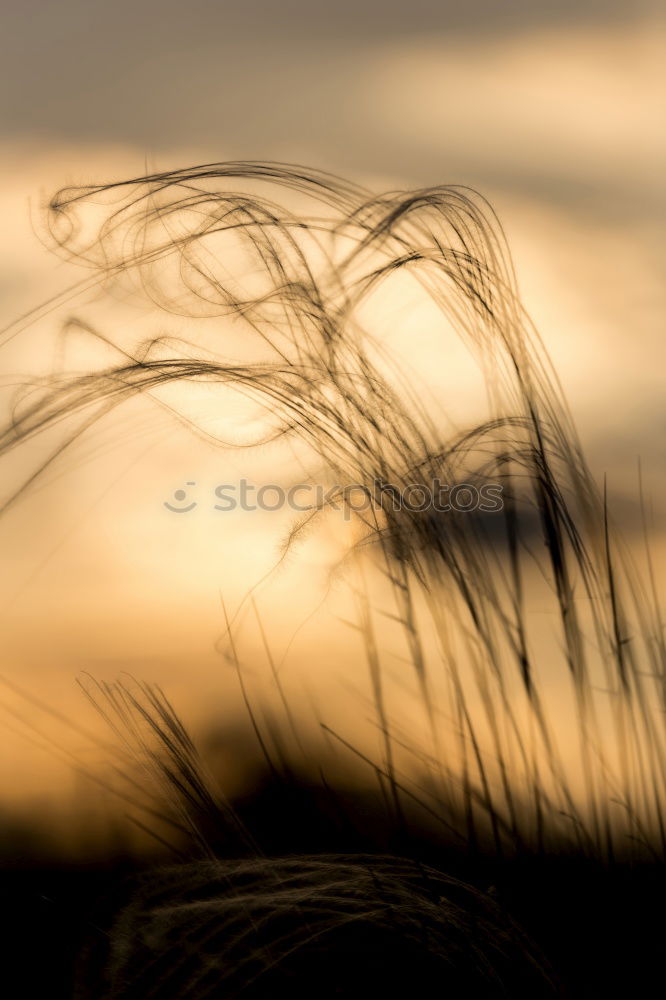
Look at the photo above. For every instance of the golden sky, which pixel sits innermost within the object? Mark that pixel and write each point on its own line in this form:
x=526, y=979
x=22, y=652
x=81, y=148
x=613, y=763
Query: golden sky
x=554, y=111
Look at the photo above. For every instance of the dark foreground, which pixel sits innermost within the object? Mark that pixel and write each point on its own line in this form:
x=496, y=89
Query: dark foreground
x=601, y=927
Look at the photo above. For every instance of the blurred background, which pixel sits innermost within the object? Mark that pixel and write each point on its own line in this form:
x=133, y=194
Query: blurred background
x=554, y=110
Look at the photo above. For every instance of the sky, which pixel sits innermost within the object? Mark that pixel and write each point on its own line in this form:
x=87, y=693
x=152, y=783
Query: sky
x=559, y=98
x=554, y=110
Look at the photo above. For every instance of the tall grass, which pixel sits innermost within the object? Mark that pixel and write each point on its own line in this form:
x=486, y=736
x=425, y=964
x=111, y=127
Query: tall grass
x=505, y=769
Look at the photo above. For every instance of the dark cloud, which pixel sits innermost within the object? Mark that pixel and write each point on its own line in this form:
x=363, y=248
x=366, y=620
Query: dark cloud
x=128, y=22
x=91, y=69
x=290, y=81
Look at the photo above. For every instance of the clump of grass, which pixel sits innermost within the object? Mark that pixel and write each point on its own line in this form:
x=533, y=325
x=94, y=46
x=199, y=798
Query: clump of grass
x=326, y=925
x=496, y=743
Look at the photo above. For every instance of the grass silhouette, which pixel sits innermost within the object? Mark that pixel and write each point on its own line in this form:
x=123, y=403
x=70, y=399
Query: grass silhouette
x=494, y=774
